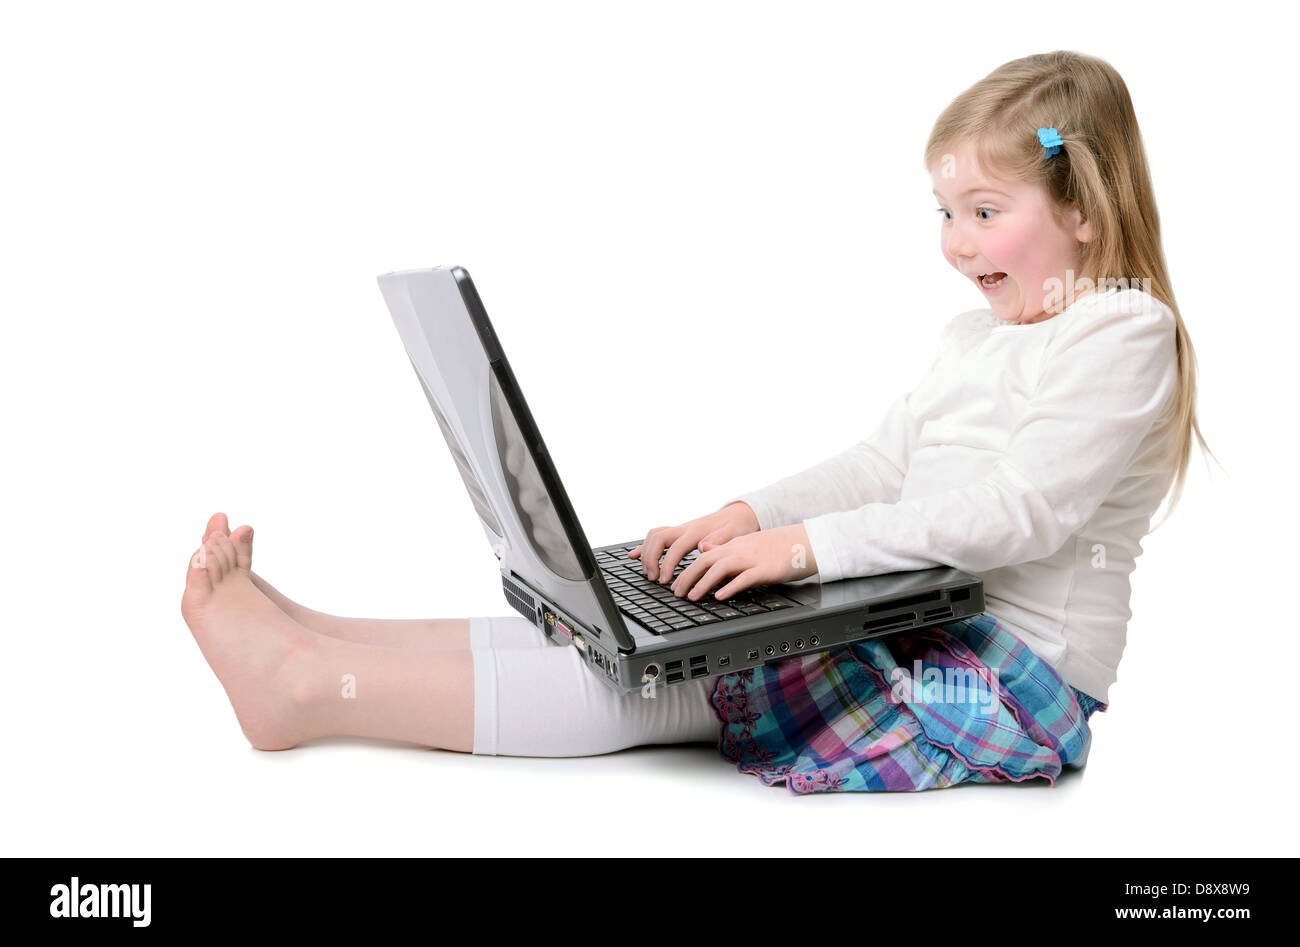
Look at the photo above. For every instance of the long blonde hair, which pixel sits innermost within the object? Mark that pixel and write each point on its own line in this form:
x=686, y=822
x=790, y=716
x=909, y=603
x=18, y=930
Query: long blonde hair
x=1101, y=168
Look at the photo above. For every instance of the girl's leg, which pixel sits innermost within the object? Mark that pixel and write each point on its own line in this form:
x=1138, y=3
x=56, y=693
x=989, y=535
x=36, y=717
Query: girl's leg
x=288, y=683
x=429, y=634
x=514, y=694
x=545, y=702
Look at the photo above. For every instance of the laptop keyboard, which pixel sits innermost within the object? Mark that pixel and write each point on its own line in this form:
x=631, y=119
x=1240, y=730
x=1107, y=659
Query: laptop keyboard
x=656, y=607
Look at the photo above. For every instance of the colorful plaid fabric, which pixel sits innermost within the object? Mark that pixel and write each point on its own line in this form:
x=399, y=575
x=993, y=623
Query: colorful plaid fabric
x=965, y=702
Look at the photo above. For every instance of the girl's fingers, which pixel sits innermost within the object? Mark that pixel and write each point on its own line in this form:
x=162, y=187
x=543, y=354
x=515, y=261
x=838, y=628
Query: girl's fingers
x=686, y=581
x=715, y=574
x=673, y=555
x=739, y=583
x=654, y=549
x=670, y=558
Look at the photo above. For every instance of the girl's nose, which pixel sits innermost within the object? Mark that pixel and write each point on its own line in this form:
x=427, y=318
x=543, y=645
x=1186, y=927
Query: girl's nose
x=959, y=242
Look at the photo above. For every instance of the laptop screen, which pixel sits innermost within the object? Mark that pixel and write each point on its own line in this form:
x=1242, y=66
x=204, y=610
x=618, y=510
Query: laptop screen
x=495, y=444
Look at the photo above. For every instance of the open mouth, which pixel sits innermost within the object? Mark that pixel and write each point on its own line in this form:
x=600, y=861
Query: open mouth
x=993, y=280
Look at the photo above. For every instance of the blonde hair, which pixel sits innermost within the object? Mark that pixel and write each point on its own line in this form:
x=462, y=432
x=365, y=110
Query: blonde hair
x=1101, y=169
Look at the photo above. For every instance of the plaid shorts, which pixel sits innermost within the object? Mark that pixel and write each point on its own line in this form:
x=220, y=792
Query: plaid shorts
x=964, y=702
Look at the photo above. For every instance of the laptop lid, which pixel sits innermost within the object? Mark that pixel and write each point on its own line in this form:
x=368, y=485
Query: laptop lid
x=516, y=492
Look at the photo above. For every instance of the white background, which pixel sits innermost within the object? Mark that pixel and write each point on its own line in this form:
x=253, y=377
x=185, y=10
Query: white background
x=706, y=237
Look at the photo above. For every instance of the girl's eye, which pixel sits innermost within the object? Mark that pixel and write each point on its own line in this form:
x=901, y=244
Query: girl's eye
x=944, y=212
x=979, y=211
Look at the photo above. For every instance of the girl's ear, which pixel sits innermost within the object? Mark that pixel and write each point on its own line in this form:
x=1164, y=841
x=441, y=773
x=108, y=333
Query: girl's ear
x=1079, y=224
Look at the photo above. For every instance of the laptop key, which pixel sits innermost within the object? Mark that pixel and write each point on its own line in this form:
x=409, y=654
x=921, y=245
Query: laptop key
x=804, y=596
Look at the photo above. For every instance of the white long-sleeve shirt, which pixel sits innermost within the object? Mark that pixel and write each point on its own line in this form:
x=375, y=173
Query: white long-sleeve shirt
x=1032, y=456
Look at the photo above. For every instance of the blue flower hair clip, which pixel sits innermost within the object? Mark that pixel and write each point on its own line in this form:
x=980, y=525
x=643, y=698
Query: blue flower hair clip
x=1050, y=139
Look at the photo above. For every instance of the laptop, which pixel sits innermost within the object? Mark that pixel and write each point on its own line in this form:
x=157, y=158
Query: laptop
x=633, y=634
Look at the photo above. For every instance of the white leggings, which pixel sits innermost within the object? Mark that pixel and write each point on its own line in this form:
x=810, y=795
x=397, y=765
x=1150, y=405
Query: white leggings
x=535, y=698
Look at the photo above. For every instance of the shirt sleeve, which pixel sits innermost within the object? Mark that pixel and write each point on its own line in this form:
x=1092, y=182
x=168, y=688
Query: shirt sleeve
x=1106, y=379
x=871, y=471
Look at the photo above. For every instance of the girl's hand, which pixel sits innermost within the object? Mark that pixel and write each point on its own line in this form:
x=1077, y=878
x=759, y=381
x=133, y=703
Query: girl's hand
x=773, y=555
x=673, y=542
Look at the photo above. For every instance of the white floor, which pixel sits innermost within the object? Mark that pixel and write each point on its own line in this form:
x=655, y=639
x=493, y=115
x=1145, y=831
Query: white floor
x=143, y=794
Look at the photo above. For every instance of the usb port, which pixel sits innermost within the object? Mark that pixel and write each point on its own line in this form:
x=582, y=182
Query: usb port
x=676, y=677
x=674, y=665
x=699, y=671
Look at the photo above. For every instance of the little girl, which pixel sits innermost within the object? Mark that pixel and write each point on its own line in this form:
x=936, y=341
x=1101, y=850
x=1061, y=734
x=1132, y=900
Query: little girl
x=1049, y=428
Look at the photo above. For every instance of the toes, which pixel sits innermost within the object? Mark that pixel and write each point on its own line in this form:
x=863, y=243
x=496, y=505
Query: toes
x=225, y=549
x=242, y=540
x=198, y=584
x=217, y=524
x=212, y=560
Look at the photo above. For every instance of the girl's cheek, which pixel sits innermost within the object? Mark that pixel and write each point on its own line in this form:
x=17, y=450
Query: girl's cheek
x=1006, y=250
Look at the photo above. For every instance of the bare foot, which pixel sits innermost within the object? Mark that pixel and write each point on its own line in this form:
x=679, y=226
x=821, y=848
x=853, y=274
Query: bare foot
x=260, y=655
x=316, y=621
